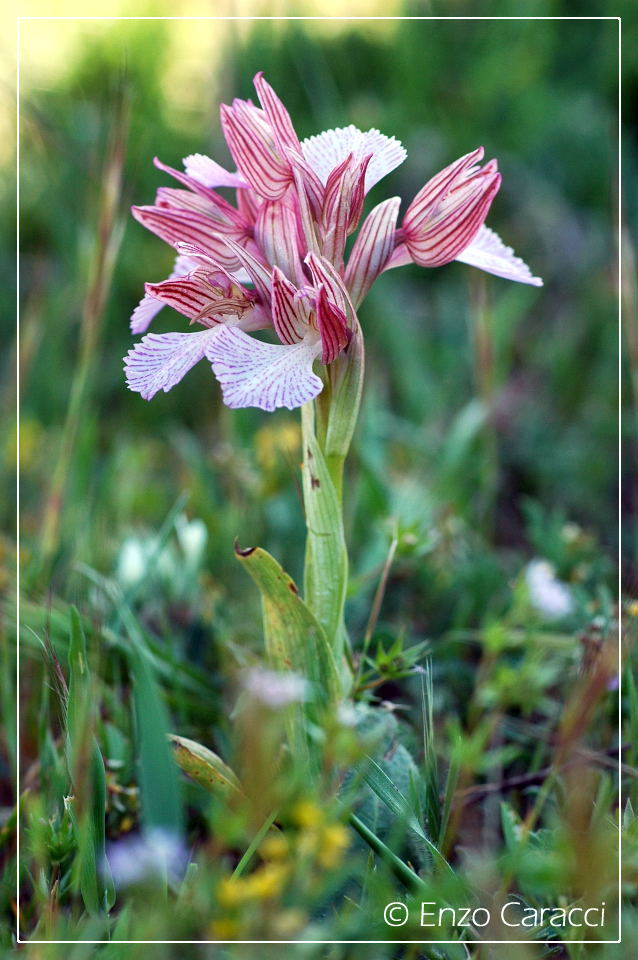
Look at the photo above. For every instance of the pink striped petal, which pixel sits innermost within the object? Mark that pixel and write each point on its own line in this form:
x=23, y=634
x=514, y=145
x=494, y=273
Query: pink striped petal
x=257, y=271
x=189, y=226
x=264, y=375
x=148, y=307
x=226, y=212
x=308, y=225
x=209, y=173
x=455, y=223
x=371, y=249
x=323, y=272
x=313, y=187
x=327, y=150
x=436, y=188
x=488, y=252
x=190, y=296
x=277, y=114
x=276, y=235
x=290, y=311
x=333, y=328
x=342, y=206
x=251, y=143
x=159, y=361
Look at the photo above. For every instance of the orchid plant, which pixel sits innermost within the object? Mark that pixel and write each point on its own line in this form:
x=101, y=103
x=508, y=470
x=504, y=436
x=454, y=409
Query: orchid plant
x=275, y=260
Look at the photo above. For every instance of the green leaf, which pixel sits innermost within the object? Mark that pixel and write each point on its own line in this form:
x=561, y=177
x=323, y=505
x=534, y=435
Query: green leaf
x=382, y=785
x=160, y=793
x=294, y=638
x=204, y=766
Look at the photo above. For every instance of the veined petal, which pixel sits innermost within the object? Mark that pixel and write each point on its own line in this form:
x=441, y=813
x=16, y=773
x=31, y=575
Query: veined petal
x=488, y=252
x=342, y=206
x=226, y=211
x=436, y=188
x=327, y=150
x=258, y=272
x=159, y=361
x=148, y=307
x=333, y=327
x=290, y=312
x=194, y=297
x=264, y=375
x=189, y=226
x=323, y=272
x=144, y=313
x=454, y=228
x=249, y=140
x=306, y=218
x=372, y=248
x=277, y=115
x=276, y=234
x=210, y=173
x=313, y=187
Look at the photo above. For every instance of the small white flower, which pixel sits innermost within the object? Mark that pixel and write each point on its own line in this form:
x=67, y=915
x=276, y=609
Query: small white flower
x=274, y=689
x=131, y=562
x=192, y=537
x=548, y=595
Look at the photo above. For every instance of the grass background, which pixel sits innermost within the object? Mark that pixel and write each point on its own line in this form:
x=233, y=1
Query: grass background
x=488, y=433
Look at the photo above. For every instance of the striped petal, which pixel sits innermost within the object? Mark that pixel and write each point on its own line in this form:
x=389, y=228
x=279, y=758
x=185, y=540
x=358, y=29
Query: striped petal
x=209, y=173
x=323, y=272
x=277, y=114
x=251, y=143
x=332, y=325
x=290, y=311
x=371, y=249
x=488, y=252
x=191, y=296
x=148, y=307
x=159, y=361
x=264, y=375
x=188, y=226
x=436, y=188
x=456, y=221
x=342, y=206
x=276, y=234
x=327, y=150
x=226, y=213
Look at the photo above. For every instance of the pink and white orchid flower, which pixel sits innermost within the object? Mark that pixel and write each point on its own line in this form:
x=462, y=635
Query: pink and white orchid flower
x=276, y=259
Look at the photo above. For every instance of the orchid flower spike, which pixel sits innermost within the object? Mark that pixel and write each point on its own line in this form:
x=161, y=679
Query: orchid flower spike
x=275, y=259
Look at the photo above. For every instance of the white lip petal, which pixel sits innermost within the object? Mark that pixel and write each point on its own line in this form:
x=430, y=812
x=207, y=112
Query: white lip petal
x=159, y=361
x=327, y=150
x=265, y=375
x=488, y=252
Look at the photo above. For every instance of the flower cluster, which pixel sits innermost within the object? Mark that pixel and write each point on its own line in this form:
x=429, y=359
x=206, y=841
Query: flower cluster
x=275, y=260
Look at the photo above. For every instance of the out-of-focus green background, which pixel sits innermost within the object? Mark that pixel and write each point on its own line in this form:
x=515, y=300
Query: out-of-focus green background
x=488, y=434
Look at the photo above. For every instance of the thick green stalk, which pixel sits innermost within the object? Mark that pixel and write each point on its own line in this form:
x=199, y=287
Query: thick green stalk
x=327, y=428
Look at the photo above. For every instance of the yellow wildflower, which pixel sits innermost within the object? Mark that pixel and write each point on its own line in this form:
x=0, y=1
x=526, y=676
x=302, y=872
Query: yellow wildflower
x=232, y=891
x=267, y=882
x=274, y=847
x=307, y=814
x=333, y=843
